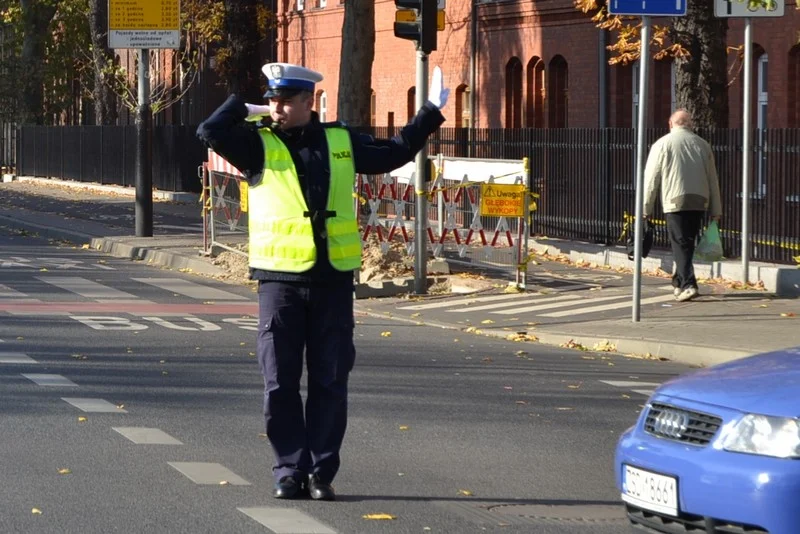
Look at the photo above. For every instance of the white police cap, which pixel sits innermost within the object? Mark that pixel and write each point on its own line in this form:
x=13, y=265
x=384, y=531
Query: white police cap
x=285, y=79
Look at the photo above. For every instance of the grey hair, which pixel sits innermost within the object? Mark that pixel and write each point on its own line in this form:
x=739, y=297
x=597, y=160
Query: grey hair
x=681, y=117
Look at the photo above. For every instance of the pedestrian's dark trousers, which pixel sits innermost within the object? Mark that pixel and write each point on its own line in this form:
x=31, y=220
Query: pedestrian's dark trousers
x=293, y=318
x=683, y=227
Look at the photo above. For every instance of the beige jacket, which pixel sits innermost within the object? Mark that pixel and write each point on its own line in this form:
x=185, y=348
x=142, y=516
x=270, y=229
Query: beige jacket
x=681, y=165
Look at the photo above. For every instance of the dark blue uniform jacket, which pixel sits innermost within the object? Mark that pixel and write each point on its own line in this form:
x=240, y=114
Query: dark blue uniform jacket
x=227, y=133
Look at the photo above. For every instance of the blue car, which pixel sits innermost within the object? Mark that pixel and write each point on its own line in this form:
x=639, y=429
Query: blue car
x=717, y=451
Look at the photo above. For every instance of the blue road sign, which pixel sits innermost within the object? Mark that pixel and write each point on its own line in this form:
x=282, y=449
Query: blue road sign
x=653, y=8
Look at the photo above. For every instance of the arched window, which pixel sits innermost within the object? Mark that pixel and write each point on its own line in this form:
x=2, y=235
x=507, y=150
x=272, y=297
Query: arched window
x=373, y=108
x=534, y=97
x=793, y=81
x=411, y=103
x=462, y=106
x=514, y=93
x=558, y=86
x=323, y=106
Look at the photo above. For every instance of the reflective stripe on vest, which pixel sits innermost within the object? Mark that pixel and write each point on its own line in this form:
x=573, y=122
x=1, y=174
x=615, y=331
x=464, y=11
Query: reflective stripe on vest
x=281, y=236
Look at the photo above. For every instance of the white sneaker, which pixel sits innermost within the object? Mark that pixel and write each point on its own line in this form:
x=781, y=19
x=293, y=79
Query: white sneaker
x=676, y=291
x=686, y=294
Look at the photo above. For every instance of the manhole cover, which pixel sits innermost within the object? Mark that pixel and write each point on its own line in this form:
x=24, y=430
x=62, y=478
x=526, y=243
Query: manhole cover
x=578, y=512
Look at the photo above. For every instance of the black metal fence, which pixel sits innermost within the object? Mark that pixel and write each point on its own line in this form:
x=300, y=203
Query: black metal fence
x=586, y=179
x=8, y=146
x=107, y=155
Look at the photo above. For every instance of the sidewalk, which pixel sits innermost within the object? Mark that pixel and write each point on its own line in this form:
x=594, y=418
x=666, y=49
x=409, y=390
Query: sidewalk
x=724, y=325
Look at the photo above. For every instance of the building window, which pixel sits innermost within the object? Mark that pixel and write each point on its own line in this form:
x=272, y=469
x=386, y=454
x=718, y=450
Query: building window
x=411, y=103
x=322, y=3
x=462, y=106
x=322, y=106
x=558, y=92
x=534, y=98
x=373, y=107
x=663, y=92
x=514, y=93
x=300, y=5
x=793, y=80
x=761, y=121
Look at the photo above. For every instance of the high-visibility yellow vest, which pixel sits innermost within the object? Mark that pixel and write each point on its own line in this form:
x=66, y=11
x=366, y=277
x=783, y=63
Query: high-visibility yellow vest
x=281, y=233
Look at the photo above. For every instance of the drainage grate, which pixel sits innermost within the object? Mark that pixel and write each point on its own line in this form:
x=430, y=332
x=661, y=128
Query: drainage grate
x=500, y=513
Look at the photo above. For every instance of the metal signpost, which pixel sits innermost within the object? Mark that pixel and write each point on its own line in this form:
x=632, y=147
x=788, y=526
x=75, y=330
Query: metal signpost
x=419, y=20
x=144, y=24
x=645, y=9
x=743, y=9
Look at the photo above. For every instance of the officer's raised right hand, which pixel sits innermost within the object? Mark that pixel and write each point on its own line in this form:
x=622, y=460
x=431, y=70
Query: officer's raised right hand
x=438, y=93
x=256, y=109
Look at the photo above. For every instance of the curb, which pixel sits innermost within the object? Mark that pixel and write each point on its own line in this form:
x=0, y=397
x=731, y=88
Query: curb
x=694, y=355
x=171, y=196
x=154, y=256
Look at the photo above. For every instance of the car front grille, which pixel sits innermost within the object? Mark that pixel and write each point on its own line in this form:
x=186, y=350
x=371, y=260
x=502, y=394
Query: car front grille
x=685, y=523
x=677, y=424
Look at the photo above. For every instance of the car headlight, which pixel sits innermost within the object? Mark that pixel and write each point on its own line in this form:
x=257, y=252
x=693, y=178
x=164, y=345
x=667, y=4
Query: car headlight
x=764, y=435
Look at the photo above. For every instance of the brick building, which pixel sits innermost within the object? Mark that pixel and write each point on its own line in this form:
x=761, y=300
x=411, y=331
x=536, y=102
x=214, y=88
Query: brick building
x=537, y=63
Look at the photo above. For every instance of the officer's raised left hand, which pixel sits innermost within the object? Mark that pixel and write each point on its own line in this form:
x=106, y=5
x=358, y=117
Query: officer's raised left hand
x=438, y=93
x=256, y=109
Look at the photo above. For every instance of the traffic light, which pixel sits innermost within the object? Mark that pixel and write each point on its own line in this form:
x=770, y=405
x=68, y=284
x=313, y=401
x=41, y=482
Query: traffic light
x=416, y=20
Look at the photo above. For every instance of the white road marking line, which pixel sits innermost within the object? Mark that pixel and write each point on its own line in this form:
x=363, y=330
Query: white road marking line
x=507, y=304
x=208, y=473
x=89, y=289
x=191, y=289
x=286, y=520
x=455, y=302
x=645, y=392
x=93, y=405
x=50, y=380
x=15, y=357
x=7, y=292
x=146, y=436
x=560, y=305
x=595, y=309
x=629, y=384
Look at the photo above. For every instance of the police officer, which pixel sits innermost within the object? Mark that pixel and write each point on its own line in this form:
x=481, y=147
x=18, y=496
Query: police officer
x=304, y=246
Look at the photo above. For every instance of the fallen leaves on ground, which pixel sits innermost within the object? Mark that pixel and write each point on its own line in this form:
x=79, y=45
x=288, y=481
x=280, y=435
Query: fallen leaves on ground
x=64, y=471
x=386, y=334
x=465, y=493
x=403, y=427
x=604, y=346
x=572, y=344
x=379, y=517
x=789, y=314
x=487, y=321
x=521, y=336
x=82, y=419
x=36, y=511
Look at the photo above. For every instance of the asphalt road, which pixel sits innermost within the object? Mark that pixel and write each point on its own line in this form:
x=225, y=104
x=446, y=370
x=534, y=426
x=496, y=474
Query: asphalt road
x=449, y=432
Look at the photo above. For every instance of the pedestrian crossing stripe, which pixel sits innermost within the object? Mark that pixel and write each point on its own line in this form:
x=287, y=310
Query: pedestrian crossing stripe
x=99, y=292
x=506, y=304
x=642, y=388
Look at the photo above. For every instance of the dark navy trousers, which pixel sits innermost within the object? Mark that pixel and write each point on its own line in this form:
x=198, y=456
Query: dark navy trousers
x=297, y=318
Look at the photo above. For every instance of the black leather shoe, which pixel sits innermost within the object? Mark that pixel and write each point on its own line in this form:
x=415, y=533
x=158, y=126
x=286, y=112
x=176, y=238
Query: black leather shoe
x=319, y=490
x=287, y=488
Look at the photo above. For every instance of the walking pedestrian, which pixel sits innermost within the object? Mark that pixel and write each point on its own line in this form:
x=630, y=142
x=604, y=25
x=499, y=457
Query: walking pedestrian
x=304, y=246
x=681, y=165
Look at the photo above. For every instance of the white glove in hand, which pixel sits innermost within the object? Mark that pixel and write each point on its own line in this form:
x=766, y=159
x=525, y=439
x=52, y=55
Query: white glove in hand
x=256, y=109
x=438, y=94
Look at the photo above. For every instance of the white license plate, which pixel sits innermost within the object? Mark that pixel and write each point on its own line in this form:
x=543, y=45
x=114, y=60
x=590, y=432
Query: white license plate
x=650, y=491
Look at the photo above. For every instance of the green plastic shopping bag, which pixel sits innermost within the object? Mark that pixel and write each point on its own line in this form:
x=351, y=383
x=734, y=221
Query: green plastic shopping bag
x=710, y=246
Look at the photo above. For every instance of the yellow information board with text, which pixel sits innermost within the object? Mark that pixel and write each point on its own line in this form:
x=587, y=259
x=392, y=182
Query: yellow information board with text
x=503, y=200
x=144, y=23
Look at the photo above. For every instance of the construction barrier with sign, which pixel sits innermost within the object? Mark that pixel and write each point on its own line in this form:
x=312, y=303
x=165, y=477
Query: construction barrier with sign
x=479, y=211
x=225, y=193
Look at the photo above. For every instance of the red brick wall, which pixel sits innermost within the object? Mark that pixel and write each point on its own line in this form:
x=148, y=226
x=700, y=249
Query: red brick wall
x=514, y=28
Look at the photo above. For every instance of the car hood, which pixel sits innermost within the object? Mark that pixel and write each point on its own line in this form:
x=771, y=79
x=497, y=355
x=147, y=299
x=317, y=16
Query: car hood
x=766, y=384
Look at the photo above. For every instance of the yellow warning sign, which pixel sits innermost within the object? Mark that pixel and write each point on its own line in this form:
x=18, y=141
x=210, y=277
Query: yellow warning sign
x=503, y=200
x=149, y=15
x=410, y=15
x=243, y=192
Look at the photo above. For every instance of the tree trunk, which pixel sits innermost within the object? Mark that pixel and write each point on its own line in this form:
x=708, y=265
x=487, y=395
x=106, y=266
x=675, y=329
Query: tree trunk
x=36, y=17
x=105, y=99
x=243, y=72
x=355, y=69
x=701, y=79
